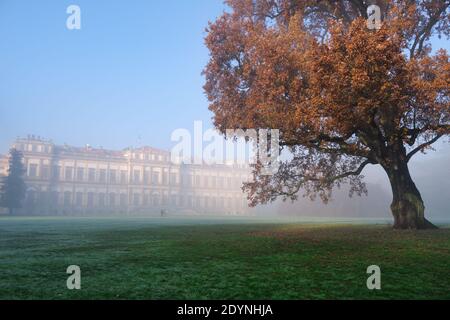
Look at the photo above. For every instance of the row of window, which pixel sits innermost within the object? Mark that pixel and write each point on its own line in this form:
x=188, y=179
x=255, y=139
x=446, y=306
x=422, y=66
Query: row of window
x=112, y=199
x=45, y=148
x=100, y=176
x=211, y=181
x=150, y=157
x=121, y=177
x=34, y=148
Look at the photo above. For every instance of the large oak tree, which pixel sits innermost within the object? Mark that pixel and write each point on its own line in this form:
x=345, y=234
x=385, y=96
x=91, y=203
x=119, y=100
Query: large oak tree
x=343, y=95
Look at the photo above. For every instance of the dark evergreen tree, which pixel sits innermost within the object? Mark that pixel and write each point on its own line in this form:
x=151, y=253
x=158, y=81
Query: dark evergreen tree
x=13, y=188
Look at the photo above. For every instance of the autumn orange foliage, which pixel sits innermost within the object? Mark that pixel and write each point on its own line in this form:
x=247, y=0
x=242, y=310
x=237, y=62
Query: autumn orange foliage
x=343, y=96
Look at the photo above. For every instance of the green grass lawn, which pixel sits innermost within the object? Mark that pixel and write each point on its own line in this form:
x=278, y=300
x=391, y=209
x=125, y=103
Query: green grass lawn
x=218, y=259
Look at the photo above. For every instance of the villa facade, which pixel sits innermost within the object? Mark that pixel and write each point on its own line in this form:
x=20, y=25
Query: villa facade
x=66, y=180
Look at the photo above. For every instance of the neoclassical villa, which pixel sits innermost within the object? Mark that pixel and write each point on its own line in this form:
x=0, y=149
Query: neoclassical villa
x=66, y=180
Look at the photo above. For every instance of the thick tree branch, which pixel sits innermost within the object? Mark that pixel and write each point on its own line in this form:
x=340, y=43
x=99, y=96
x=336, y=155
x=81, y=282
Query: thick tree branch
x=293, y=191
x=344, y=146
x=423, y=146
x=413, y=134
x=357, y=172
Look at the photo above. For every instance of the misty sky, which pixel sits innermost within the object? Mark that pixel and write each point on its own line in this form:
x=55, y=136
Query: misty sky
x=133, y=70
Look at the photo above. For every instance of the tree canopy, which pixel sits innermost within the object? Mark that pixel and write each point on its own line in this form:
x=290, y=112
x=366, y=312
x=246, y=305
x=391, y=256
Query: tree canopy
x=13, y=187
x=342, y=95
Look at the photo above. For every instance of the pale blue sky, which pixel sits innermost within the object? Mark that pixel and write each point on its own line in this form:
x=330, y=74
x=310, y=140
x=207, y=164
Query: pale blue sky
x=133, y=70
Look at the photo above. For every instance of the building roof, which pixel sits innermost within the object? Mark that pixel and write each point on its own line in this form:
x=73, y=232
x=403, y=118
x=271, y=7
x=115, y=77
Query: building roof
x=151, y=150
x=91, y=150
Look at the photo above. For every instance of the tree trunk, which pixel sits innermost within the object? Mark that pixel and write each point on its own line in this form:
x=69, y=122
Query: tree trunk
x=407, y=205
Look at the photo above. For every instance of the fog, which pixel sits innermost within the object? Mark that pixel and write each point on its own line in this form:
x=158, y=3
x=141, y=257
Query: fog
x=431, y=173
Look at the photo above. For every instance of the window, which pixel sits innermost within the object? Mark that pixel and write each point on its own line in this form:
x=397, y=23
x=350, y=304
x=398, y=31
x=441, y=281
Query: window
x=146, y=199
x=165, y=178
x=91, y=175
x=102, y=177
x=182, y=200
x=56, y=172
x=173, y=200
x=123, y=177
x=137, y=176
x=67, y=198
x=45, y=172
x=155, y=178
x=54, y=197
x=136, y=199
x=123, y=200
x=239, y=203
x=31, y=198
x=184, y=180
x=146, y=177
x=213, y=182
x=68, y=173
x=173, y=178
x=197, y=181
x=101, y=199
x=33, y=170
x=90, y=200
x=155, y=200
x=112, y=176
x=79, y=199
x=80, y=174
x=112, y=199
